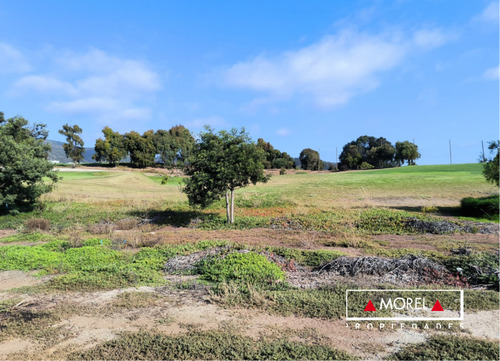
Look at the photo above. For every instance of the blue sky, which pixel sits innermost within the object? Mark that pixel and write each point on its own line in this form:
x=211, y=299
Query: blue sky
x=300, y=74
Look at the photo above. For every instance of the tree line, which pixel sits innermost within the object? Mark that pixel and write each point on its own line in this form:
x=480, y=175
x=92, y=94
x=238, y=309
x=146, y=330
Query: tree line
x=368, y=152
x=217, y=163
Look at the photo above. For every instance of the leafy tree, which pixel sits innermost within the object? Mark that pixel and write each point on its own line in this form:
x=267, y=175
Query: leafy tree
x=182, y=143
x=351, y=157
x=23, y=163
x=163, y=143
x=309, y=160
x=490, y=168
x=111, y=149
x=274, y=158
x=407, y=151
x=367, y=150
x=74, y=144
x=141, y=148
x=219, y=163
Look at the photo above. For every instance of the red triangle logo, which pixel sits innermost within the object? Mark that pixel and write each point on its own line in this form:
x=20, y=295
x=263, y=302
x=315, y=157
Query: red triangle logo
x=437, y=307
x=370, y=306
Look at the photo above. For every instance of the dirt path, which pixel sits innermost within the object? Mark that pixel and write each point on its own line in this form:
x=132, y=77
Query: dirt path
x=176, y=312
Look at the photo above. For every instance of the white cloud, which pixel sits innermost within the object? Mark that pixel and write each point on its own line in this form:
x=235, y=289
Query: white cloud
x=12, y=60
x=490, y=13
x=331, y=71
x=283, y=132
x=492, y=73
x=43, y=84
x=430, y=38
x=95, y=83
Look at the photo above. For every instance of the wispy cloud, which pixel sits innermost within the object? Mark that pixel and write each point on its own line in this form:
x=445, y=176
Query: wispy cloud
x=12, y=60
x=490, y=13
x=94, y=83
x=492, y=73
x=331, y=71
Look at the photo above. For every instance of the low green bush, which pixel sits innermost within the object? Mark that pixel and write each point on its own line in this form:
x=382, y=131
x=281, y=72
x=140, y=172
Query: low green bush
x=242, y=268
x=207, y=345
x=485, y=207
x=449, y=348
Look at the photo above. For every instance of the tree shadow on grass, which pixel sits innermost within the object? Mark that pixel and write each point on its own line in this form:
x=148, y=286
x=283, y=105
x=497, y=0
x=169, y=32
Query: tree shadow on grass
x=176, y=218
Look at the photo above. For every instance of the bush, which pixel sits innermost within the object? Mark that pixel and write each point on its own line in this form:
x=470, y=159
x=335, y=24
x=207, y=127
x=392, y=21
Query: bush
x=485, y=207
x=450, y=348
x=242, y=268
x=366, y=165
x=282, y=171
x=37, y=224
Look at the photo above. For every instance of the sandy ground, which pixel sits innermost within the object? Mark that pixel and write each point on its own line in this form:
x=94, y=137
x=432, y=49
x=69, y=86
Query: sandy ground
x=179, y=311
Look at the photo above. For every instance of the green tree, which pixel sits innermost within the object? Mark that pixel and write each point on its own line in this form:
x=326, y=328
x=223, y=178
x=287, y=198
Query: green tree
x=163, y=143
x=141, y=148
x=111, y=149
x=490, y=168
x=23, y=164
x=182, y=143
x=309, y=160
x=274, y=158
x=219, y=163
x=407, y=151
x=74, y=144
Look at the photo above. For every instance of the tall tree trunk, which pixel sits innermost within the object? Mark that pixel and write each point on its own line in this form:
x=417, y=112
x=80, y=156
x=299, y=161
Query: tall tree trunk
x=228, y=213
x=232, y=205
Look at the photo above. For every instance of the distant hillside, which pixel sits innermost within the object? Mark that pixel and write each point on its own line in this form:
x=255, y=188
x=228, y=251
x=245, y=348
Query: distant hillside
x=58, y=154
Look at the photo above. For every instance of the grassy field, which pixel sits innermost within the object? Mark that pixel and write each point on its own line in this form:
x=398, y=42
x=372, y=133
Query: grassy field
x=118, y=255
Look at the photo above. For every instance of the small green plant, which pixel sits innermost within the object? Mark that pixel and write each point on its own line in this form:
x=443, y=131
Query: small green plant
x=242, y=268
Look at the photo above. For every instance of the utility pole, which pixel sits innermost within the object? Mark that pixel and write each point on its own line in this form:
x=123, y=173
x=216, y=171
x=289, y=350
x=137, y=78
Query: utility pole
x=451, y=162
x=482, y=145
x=337, y=159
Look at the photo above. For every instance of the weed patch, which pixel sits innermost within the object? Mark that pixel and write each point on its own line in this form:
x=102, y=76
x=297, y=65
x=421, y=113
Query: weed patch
x=449, y=348
x=210, y=345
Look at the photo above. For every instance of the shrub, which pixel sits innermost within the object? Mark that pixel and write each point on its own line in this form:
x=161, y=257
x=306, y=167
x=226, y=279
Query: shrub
x=450, y=348
x=366, y=165
x=242, y=268
x=485, y=207
x=35, y=224
x=282, y=171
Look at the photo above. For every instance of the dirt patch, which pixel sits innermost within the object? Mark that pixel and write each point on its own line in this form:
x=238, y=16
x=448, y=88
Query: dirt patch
x=438, y=242
x=16, y=279
x=13, y=346
x=7, y=232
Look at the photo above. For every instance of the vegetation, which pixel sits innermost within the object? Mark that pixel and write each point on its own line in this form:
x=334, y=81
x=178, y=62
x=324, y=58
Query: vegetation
x=490, y=169
x=74, y=146
x=208, y=345
x=406, y=151
x=309, y=160
x=450, y=348
x=484, y=207
x=242, y=268
x=274, y=158
x=111, y=149
x=368, y=152
x=219, y=164
x=140, y=148
x=23, y=163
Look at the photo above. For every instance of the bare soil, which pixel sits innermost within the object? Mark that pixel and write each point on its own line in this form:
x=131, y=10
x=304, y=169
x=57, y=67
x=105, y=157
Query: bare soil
x=180, y=311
